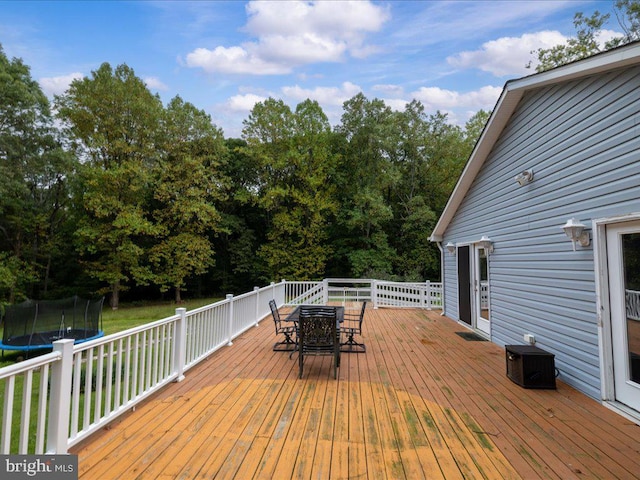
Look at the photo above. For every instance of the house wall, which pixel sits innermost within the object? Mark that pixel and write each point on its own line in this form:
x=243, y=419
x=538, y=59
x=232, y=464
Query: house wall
x=582, y=140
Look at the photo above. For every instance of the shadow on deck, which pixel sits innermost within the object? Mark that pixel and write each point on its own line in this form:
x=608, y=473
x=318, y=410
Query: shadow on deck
x=422, y=402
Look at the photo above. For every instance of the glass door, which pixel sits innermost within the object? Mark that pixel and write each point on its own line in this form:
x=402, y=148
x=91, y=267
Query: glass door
x=481, y=289
x=623, y=255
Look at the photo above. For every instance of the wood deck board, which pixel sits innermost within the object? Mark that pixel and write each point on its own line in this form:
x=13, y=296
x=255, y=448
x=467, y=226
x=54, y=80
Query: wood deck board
x=420, y=403
x=450, y=379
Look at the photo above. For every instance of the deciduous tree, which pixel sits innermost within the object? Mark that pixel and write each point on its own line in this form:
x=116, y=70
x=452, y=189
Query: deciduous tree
x=33, y=191
x=587, y=41
x=296, y=165
x=188, y=183
x=114, y=121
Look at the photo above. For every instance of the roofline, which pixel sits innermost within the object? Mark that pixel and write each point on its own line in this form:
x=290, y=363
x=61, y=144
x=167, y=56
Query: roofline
x=507, y=103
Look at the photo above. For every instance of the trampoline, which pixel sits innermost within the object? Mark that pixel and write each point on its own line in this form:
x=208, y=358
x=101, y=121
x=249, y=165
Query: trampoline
x=35, y=325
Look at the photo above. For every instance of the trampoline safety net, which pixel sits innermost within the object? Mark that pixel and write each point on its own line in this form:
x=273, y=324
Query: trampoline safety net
x=34, y=324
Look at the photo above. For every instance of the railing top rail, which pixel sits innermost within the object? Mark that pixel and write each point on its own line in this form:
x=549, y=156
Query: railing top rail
x=339, y=288
x=30, y=364
x=123, y=334
x=349, y=280
x=204, y=308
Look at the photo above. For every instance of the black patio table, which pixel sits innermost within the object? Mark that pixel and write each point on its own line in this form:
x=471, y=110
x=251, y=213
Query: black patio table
x=294, y=315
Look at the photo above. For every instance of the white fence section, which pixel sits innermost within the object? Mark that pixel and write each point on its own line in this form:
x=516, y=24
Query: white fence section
x=349, y=290
x=413, y=295
x=632, y=303
x=309, y=293
x=56, y=400
x=484, y=295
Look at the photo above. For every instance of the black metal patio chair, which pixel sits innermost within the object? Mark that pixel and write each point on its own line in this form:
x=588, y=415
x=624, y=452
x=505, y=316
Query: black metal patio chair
x=288, y=344
x=318, y=334
x=352, y=325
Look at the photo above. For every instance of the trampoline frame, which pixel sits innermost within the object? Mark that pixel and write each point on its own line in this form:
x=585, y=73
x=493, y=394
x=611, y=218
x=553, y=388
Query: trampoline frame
x=24, y=343
x=43, y=346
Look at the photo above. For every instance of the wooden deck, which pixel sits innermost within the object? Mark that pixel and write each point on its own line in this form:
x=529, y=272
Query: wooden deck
x=421, y=403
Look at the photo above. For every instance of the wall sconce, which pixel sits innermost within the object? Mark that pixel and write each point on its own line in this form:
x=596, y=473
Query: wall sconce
x=577, y=233
x=524, y=177
x=486, y=243
x=451, y=248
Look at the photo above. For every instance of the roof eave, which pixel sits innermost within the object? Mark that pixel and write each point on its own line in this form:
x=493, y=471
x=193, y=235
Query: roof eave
x=506, y=105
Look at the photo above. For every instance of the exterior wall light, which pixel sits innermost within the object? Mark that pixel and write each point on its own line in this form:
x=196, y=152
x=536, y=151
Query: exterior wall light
x=486, y=243
x=451, y=248
x=524, y=177
x=577, y=233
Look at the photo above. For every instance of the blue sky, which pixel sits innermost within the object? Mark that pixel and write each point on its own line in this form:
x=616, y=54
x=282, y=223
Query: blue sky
x=224, y=56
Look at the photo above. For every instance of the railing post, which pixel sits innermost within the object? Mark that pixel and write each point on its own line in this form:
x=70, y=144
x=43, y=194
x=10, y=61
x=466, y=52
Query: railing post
x=374, y=293
x=180, y=348
x=60, y=399
x=257, y=291
x=284, y=293
x=273, y=291
x=230, y=298
x=429, y=303
x=325, y=291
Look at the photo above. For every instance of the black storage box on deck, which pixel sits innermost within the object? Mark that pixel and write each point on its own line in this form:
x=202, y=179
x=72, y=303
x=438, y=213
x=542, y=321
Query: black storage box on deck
x=530, y=367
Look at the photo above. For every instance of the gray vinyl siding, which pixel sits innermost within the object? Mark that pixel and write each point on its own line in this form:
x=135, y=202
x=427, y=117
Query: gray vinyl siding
x=581, y=138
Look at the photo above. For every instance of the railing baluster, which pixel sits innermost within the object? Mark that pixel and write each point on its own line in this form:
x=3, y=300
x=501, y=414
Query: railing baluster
x=7, y=417
x=136, y=366
x=108, y=391
x=75, y=395
x=149, y=375
x=26, y=412
x=117, y=398
x=42, y=408
x=88, y=387
x=97, y=412
x=127, y=373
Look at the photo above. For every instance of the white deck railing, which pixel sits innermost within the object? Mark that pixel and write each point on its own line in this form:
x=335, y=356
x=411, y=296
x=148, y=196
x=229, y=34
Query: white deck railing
x=56, y=400
x=632, y=304
x=421, y=295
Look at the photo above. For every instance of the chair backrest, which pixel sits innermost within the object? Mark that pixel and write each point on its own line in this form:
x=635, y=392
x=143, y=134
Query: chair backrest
x=317, y=329
x=274, y=312
x=364, y=305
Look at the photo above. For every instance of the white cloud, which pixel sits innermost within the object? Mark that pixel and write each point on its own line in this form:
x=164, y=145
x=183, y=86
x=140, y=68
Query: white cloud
x=397, y=104
x=345, y=19
x=300, y=49
x=154, y=83
x=606, y=35
x=325, y=96
x=233, y=60
x=294, y=33
x=58, y=85
x=243, y=103
x=506, y=55
x=434, y=98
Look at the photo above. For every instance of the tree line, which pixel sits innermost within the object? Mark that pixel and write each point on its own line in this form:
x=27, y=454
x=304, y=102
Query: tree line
x=108, y=191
